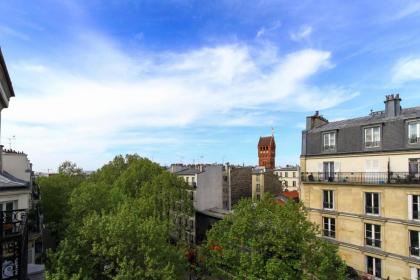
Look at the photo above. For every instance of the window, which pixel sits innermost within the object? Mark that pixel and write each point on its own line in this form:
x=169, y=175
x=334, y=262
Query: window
x=286, y=175
x=329, y=227
x=413, y=207
x=414, y=167
x=414, y=132
x=280, y=174
x=373, y=235
x=328, y=167
x=414, y=243
x=187, y=179
x=415, y=273
x=372, y=203
x=286, y=183
x=294, y=174
x=258, y=197
x=294, y=183
x=193, y=179
x=258, y=188
x=328, y=200
x=329, y=141
x=373, y=266
x=372, y=137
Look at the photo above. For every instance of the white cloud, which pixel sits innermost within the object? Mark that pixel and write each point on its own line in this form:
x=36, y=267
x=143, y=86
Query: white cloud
x=81, y=108
x=406, y=70
x=302, y=34
x=269, y=29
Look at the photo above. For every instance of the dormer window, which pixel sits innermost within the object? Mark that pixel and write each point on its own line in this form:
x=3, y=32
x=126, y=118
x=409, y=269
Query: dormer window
x=328, y=141
x=373, y=137
x=414, y=132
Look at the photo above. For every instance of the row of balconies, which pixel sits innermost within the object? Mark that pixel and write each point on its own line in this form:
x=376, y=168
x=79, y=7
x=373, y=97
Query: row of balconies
x=361, y=177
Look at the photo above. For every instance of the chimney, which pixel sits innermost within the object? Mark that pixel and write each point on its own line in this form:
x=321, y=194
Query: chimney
x=315, y=121
x=1, y=159
x=392, y=105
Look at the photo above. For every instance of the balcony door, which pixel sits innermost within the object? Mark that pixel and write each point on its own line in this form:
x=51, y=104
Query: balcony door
x=329, y=171
x=414, y=169
x=372, y=174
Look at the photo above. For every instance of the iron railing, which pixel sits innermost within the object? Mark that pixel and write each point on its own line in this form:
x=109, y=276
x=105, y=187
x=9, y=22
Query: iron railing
x=329, y=233
x=362, y=177
x=14, y=244
x=373, y=242
x=415, y=251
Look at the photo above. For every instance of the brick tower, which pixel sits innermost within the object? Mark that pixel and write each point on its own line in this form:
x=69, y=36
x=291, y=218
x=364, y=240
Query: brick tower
x=267, y=152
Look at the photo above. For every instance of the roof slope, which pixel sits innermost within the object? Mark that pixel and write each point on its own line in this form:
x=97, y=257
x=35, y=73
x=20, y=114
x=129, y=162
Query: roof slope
x=373, y=118
x=266, y=141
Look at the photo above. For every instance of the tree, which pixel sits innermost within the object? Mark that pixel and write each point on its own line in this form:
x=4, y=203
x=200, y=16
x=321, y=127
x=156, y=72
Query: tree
x=55, y=193
x=265, y=240
x=120, y=222
x=69, y=168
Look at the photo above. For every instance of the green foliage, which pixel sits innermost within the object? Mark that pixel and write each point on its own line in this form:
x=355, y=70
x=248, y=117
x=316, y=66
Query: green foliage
x=120, y=220
x=55, y=193
x=265, y=240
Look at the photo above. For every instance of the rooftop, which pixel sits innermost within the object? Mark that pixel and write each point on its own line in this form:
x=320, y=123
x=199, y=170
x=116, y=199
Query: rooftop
x=188, y=171
x=266, y=141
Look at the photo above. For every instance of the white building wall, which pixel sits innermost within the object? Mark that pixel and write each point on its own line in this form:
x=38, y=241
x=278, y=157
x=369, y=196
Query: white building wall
x=22, y=198
x=17, y=165
x=209, y=192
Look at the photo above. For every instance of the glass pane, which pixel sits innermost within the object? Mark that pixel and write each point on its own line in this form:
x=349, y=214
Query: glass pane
x=368, y=135
x=414, y=239
x=9, y=206
x=376, y=134
x=376, y=200
x=377, y=267
x=332, y=139
x=412, y=130
x=369, y=265
x=326, y=142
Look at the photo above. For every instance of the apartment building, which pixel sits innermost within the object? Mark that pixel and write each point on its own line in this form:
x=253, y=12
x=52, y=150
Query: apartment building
x=265, y=181
x=215, y=188
x=289, y=176
x=360, y=181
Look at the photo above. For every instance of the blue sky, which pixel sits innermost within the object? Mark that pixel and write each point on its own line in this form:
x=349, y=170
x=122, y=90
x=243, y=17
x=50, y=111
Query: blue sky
x=197, y=81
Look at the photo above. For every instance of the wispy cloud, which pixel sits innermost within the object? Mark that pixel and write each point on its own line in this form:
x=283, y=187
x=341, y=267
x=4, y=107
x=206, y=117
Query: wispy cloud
x=302, y=34
x=406, y=70
x=82, y=108
x=263, y=31
x=7, y=31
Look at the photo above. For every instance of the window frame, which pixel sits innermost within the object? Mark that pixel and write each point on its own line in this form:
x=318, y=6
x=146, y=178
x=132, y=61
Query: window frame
x=417, y=122
x=372, y=199
x=376, y=243
x=371, y=128
x=374, y=268
x=416, y=248
x=330, y=224
x=329, y=201
x=329, y=147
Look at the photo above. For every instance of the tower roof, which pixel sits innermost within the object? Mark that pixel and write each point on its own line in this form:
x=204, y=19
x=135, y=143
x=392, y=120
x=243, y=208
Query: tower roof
x=266, y=141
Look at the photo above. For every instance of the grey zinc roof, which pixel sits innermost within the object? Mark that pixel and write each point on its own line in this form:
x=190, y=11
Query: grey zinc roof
x=375, y=117
x=288, y=168
x=188, y=171
x=9, y=181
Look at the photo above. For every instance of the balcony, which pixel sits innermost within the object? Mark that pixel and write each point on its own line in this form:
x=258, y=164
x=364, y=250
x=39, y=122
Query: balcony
x=14, y=244
x=361, y=177
x=414, y=140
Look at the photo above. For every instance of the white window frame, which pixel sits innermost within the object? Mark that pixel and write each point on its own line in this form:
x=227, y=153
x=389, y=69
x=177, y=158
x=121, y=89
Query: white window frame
x=374, y=266
x=329, y=223
x=410, y=205
x=330, y=199
x=329, y=141
x=375, y=143
x=415, y=273
x=373, y=202
x=372, y=237
x=417, y=123
x=411, y=245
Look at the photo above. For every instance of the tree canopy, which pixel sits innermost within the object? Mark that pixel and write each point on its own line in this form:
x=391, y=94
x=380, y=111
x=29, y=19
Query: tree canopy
x=265, y=240
x=120, y=221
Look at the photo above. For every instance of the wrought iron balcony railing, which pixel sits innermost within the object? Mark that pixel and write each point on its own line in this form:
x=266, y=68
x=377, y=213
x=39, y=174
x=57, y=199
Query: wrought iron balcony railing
x=415, y=251
x=362, y=177
x=372, y=144
x=414, y=140
x=14, y=244
x=329, y=233
x=373, y=242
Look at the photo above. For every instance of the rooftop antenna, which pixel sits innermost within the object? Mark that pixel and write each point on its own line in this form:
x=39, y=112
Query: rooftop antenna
x=10, y=141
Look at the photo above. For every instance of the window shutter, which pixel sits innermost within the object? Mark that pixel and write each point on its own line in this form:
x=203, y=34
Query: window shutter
x=337, y=166
x=410, y=207
x=413, y=273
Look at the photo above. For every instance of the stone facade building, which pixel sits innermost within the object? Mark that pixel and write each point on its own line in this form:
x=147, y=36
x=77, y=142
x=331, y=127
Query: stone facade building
x=289, y=176
x=265, y=181
x=361, y=184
